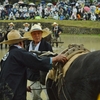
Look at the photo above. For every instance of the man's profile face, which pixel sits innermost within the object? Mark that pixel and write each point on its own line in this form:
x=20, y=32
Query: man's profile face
x=37, y=36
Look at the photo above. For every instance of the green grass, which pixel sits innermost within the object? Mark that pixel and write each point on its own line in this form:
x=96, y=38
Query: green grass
x=83, y=23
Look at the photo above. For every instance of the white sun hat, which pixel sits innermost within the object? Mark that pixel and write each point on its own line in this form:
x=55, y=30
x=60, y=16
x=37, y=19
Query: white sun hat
x=36, y=27
x=54, y=23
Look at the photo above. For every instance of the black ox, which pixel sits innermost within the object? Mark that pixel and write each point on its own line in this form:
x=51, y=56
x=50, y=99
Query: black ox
x=81, y=81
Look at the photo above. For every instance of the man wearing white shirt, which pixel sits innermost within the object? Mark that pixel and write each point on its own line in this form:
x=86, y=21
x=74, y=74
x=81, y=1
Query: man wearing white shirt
x=36, y=77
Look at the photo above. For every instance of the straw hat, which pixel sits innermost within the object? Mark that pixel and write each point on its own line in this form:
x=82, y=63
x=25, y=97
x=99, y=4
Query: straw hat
x=39, y=24
x=36, y=27
x=47, y=30
x=14, y=37
x=11, y=24
x=54, y=24
x=26, y=24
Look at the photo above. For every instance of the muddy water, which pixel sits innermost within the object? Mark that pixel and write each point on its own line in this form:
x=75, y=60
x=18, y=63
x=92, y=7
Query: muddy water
x=89, y=41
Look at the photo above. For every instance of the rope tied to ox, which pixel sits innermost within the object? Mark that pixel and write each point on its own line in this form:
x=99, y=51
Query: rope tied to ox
x=57, y=74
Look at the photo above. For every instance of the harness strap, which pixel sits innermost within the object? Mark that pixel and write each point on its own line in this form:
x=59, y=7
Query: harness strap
x=67, y=65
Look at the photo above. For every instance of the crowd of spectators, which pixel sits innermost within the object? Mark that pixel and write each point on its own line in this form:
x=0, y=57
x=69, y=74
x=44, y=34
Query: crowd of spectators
x=60, y=11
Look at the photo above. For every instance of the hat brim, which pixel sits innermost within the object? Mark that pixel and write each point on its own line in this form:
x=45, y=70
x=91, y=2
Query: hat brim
x=14, y=41
x=12, y=24
x=26, y=24
x=28, y=34
x=54, y=24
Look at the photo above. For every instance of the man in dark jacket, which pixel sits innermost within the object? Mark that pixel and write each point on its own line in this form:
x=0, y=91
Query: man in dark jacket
x=56, y=32
x=14, y=67
x=38, y=44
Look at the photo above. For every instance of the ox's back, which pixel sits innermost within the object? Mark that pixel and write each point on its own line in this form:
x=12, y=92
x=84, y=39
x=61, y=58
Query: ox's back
x=82, y=80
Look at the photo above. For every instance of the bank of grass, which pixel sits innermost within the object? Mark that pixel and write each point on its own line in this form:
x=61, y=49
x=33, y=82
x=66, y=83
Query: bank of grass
x=77, y=23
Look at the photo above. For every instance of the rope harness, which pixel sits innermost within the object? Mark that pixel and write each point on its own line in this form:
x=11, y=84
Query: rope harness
x=57, y=74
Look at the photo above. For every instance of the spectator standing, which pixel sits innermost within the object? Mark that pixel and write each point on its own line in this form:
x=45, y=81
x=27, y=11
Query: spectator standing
x=97, y=11
x=27, y=15
x=31, y=9
x=56, y=32
x=11, y=16
x=25, y=9
x=14, y=10
x=20, y=9
x=3, y=14
x=17, y=15
x=93, y=17
x=26, y=27
x=74, y=13
x=55, y=15
x=9, y=28
x=32, y=12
